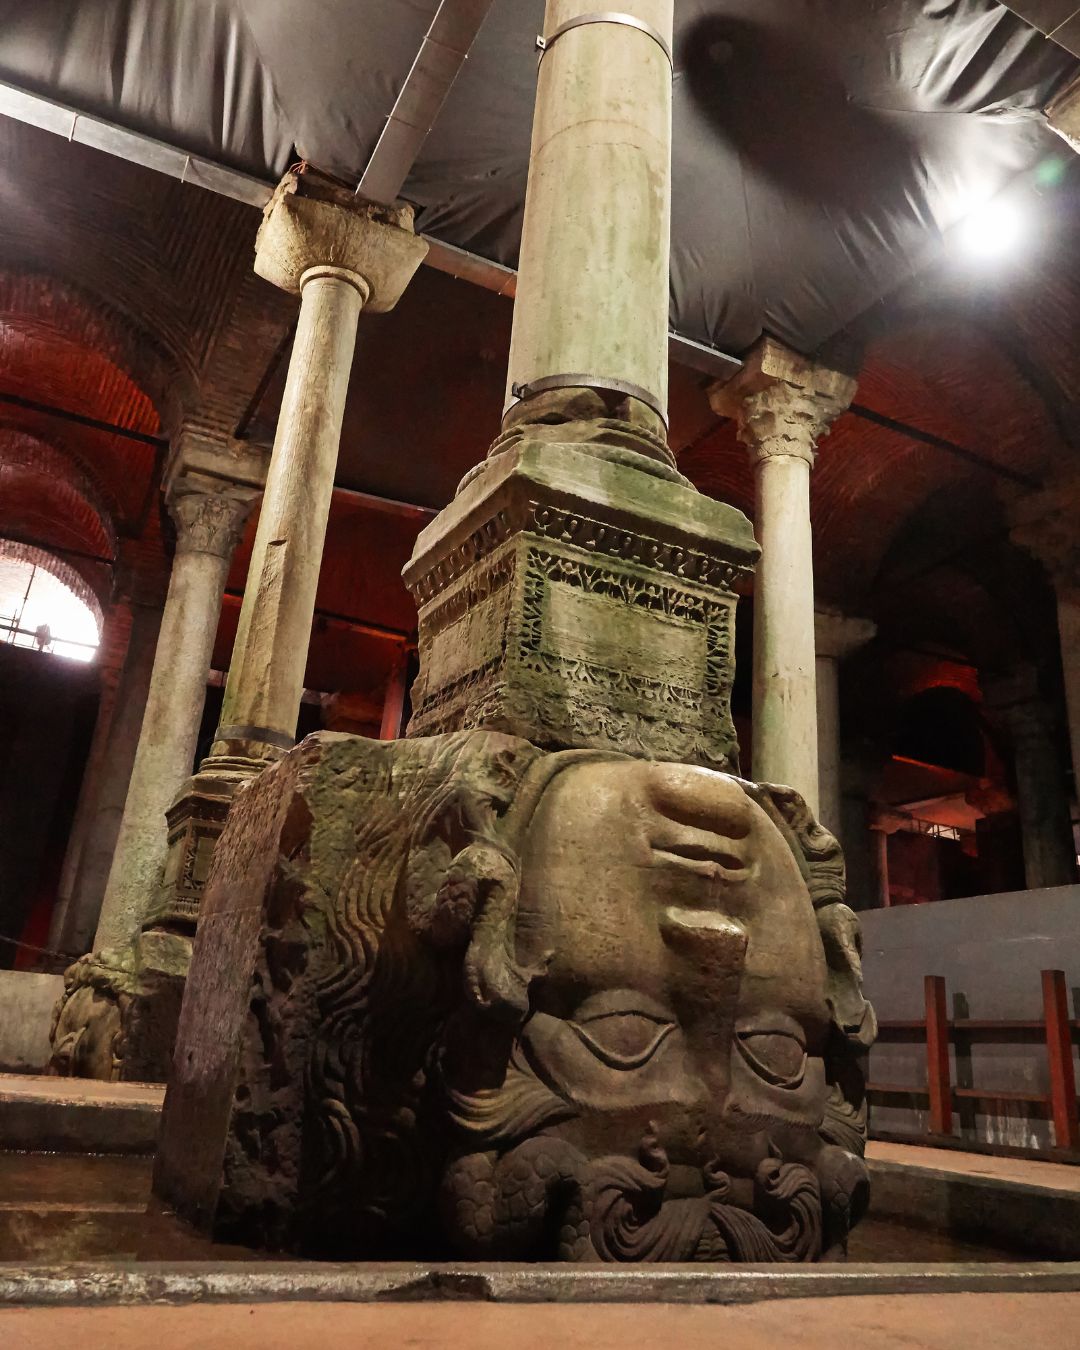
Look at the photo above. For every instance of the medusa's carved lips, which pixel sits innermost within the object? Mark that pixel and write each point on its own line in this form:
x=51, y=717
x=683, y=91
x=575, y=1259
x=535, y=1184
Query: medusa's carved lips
x=622, y=1028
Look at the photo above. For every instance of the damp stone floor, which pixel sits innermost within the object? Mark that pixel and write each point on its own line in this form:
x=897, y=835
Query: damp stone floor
x=57, y=1208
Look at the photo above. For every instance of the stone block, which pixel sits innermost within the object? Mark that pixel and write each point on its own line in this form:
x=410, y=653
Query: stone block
x=57, y=1115
x=312, y=221
x=462, y=997
x=27, y=1002
x=576, y=601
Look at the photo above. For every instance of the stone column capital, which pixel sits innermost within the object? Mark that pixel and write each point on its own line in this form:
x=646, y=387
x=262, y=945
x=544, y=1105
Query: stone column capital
x=784, y=420
x=837, y=635
x=209, y=518
x=783, y=402
x=1044, y=524
x=1017, y=703
x=312, y=226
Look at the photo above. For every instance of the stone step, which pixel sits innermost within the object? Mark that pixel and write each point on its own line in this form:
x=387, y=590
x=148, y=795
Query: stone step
x=1026, y=1206
x=75, y=1115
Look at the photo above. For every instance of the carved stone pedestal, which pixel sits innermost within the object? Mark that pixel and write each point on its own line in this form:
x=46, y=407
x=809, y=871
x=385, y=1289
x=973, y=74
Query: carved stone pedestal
x=577, y=601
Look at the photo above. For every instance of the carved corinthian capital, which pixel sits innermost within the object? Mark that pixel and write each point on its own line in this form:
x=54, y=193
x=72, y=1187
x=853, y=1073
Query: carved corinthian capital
x=210, y=521
x=782, y=402
x=786, y=420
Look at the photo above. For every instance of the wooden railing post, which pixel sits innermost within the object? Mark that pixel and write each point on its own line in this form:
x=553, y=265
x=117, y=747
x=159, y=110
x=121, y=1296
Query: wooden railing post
x=938, y=1075
x=1060, y=1055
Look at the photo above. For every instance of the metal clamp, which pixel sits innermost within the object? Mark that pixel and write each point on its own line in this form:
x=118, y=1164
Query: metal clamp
x=602, y=384
x=264, y=735
x=544, y=44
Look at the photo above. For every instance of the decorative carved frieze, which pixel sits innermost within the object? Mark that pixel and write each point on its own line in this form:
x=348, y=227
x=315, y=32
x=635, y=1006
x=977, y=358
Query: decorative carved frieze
x=578, y=612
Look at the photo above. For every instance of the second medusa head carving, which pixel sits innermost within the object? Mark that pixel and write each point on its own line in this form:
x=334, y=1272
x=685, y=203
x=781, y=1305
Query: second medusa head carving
x=518, y=1005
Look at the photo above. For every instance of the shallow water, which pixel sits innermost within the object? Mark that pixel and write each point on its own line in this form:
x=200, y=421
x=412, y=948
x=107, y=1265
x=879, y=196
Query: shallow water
x=57, y=1208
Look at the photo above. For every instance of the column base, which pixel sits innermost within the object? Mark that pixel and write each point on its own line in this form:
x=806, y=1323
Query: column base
x=118, y=1017
x=576, y=600
x=195, y=820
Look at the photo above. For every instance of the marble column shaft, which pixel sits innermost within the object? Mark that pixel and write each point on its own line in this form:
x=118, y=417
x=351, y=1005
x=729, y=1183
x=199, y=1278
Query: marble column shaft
x=1044, y=523
x=836, y=636
x=592, y=287
x=784, y=405
x=105, y=788
x=266, y=677
x=339, y=255
x=1068, y=611
x=208, y=525
x=1049, y=851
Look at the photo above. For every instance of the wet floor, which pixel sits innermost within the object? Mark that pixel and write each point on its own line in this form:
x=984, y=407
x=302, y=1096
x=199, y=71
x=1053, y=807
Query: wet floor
x=57, y=1208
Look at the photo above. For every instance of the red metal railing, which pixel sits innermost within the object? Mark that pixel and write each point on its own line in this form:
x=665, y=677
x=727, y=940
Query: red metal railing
x=1056, y=1028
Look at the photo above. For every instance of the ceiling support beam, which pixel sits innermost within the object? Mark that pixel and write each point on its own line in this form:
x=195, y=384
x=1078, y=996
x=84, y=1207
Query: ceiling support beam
x=133, y=146
x=82, y=420
x=136, y=148
x=443, y=52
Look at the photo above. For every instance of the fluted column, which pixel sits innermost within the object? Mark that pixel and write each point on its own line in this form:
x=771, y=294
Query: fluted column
x=784, y=405
x=208, y=526
x=836, y=636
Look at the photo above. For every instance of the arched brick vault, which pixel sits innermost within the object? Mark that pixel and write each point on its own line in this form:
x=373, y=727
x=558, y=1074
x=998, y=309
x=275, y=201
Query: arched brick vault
x=58, y=568
x=59, y=347
x=132, y=375
x=47, y=499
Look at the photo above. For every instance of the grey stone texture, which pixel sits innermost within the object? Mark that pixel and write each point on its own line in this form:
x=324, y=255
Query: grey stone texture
x=28, y=1000
x=461, y=996
x=578, y=601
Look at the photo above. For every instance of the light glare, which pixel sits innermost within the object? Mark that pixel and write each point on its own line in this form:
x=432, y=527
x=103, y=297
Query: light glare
x=990, y=230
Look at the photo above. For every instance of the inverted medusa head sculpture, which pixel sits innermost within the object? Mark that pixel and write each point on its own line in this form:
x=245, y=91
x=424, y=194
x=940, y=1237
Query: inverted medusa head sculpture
x=520, y=1005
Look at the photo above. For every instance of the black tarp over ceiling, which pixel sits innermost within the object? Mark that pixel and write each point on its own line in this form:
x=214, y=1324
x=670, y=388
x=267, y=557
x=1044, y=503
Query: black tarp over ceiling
x=820, y=145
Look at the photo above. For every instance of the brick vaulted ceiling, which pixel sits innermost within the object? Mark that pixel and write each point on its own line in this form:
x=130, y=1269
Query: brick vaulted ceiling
x=122, y=294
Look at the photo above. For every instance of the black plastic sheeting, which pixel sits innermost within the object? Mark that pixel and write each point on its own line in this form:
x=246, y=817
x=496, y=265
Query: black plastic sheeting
x=821, y=146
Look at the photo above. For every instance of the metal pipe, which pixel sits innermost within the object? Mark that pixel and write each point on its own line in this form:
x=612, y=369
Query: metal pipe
x=375, y=630
x=82, y=420
x=940, y=443
x=136, y=148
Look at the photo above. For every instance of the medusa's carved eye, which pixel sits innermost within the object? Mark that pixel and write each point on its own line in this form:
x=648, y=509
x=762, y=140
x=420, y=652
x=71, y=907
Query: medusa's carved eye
x=623, y=1028
x=775, y=1050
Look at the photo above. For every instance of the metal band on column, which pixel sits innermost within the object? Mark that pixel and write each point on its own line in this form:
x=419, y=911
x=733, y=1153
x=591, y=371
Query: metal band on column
x=580, y=381
x=544, y=44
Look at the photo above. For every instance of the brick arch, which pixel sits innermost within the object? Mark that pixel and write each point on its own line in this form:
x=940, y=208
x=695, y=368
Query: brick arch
x=55, y=309
x=46, y=497
x=58, y=568
x=945, y=375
